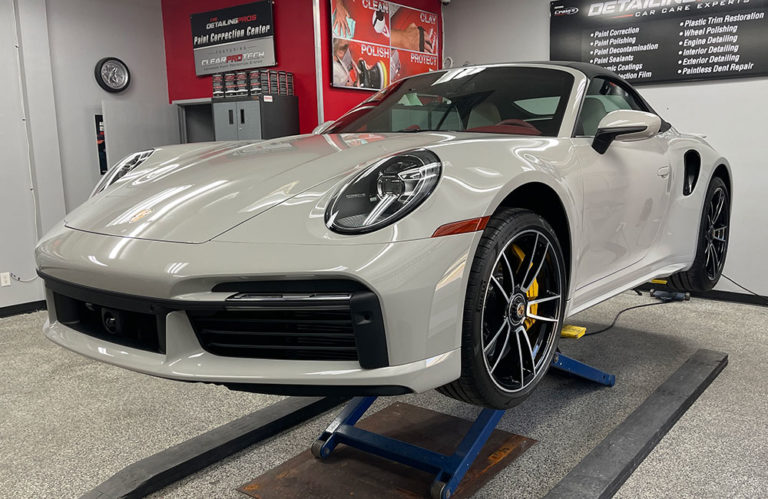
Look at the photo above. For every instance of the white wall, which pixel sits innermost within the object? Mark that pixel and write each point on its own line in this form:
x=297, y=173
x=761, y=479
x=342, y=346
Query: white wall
x=731, y=113
x=48, y=98
x=17, y=207
x=42, y=129
x=81, y=32
x=478, y=31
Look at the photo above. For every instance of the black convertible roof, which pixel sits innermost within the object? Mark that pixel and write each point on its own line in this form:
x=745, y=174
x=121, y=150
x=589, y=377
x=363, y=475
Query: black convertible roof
x=591, y=70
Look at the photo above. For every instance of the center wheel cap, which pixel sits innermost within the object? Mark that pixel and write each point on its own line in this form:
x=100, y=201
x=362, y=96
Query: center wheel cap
x=516, y=309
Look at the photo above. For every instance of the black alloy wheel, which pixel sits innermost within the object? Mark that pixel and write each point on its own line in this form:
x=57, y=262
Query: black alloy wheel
x=712, y=246
x=513, y=311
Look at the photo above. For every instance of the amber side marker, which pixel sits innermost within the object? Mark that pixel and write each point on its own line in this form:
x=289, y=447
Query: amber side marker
x=461, y=227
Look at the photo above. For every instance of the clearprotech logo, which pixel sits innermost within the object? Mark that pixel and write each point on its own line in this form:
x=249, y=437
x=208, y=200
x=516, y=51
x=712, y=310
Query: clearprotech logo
x=233, y=59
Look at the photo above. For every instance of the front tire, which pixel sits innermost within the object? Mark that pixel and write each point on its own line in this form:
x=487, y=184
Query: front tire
x=513, y=311
x=712, y=246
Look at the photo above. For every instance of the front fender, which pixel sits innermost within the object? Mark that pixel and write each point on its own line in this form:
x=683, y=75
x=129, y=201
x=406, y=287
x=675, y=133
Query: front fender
x=479, y=173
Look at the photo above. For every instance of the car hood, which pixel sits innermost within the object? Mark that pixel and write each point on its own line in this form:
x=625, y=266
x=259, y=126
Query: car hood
x=193, y=193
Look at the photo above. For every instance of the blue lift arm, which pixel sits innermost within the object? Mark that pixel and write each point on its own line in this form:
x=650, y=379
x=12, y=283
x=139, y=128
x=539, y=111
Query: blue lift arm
x=448, y=469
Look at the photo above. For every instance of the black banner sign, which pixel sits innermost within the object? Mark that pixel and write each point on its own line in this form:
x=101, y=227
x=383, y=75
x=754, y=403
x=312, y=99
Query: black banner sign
x=663, y=40
x=238, y=37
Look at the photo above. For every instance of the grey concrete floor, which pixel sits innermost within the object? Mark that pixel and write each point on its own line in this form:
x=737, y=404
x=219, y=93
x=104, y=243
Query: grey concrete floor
x=68, y=423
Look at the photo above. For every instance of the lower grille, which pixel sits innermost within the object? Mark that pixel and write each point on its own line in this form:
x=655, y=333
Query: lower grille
x=330, y=319
x=323, y=334
x=133, y=329
x=304, y=320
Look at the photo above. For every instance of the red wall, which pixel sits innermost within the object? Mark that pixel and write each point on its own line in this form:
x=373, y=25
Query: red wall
x=294, y=46
x=337, y=101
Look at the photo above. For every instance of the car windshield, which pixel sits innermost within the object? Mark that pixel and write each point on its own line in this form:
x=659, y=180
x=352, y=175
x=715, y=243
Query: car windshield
x=509, y=100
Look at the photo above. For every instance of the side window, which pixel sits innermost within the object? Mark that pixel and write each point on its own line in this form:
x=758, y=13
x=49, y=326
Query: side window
x=603, y=96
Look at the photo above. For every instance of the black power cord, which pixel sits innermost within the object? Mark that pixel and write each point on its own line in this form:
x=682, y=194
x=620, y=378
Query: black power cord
x=663, y=302
x=745, y=289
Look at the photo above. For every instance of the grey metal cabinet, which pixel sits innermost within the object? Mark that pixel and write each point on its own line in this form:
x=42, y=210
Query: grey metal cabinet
x=225, y=120
x=249, y=120
x=262, y=117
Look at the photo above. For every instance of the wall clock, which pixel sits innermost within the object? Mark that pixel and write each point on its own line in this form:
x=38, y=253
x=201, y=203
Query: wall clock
x=112, y=74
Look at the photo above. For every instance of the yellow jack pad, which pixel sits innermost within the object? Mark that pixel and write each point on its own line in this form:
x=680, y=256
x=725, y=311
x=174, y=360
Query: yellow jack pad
x=569, y=331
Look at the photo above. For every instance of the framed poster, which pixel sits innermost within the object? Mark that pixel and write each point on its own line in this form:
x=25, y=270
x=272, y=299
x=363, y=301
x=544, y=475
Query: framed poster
x=377, y=42
x=239, y=37
x=647, y=41
x=101, y=146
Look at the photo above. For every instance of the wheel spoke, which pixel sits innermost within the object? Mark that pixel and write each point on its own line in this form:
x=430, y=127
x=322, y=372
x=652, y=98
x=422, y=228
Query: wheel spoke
x=541, y=318
x=529, y=262
x=502, y=352
x=720, y=233
x=524, y=287
x=501, y=288
x=720, y=203
x=716, y=259
x=520, y=355
x=522, y=332
x=542, y=300
x=531, y=315
x=509, y=272
x=710, y=263
x=495, y=337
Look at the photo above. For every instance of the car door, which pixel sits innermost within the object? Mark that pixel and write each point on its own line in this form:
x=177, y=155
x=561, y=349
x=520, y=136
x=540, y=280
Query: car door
x=626, y=189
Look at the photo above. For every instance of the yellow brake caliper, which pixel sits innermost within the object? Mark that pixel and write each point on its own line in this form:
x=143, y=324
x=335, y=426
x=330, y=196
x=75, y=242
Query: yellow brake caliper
x=533, y=291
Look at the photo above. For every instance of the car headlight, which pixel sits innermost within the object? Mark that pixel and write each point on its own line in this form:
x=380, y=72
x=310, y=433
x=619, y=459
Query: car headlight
x=384, y=192
x=123, y=166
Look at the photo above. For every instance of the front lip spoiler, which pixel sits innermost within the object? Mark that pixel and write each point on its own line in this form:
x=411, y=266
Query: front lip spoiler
x=320, y=390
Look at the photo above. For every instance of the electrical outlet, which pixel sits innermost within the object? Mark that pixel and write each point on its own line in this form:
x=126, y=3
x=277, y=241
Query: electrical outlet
x=5, y=279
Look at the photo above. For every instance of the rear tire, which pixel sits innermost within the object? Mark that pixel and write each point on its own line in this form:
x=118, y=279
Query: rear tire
x=712, y=246
x=513, y=311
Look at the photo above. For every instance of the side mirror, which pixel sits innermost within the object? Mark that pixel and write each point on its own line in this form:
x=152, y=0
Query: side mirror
x=625, y=125
x=322, y=127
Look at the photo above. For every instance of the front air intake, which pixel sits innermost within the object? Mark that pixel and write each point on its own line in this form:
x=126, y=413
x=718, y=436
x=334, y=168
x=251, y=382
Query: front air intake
x=272, y=327
x=306, y=320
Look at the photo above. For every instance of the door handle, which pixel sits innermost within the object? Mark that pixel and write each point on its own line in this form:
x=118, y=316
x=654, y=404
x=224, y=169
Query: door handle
x=231, y=117
x=663, y=172
x=242, y=116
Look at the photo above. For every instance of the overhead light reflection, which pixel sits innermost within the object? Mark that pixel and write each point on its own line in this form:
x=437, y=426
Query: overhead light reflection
x=382, y=252
x=147, y=204
x=469, y=187
x=175, y=268
x=93, y=259
x=125, y=240
x=487, y=173
x=176, y=202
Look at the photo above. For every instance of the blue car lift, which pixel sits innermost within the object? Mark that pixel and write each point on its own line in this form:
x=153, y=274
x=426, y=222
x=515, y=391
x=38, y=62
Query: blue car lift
x=448, y=470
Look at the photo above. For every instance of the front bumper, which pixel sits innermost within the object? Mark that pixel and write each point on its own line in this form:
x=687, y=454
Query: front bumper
x=419, y=285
